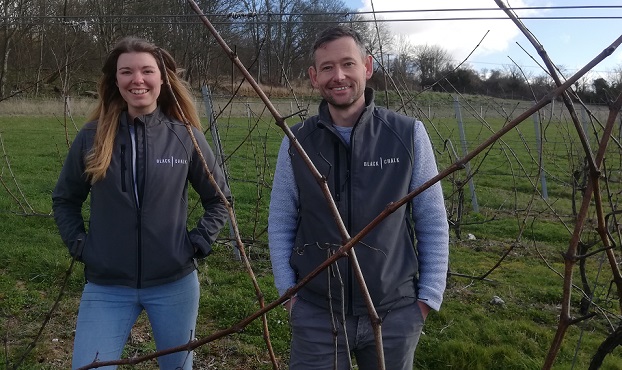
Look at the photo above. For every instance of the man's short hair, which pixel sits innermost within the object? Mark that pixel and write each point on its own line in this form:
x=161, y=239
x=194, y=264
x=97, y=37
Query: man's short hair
x=336, y=32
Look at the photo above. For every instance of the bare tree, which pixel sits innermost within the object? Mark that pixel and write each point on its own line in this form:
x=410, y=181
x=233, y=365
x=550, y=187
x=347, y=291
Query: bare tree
x=402, y=67
x=13, y=28
x=431, y=60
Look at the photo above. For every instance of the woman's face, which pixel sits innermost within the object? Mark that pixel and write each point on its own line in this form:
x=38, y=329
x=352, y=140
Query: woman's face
x=139, y=81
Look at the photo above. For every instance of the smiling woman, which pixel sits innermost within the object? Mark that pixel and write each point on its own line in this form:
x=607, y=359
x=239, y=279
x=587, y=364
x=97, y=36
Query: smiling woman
x=139, y=81
x=137, y=252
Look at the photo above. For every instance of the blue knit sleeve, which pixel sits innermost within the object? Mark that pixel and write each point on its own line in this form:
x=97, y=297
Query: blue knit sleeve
x=282, y=219
x=431, y=226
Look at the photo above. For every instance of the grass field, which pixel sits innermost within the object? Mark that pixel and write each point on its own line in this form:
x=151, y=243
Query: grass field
x=468, y=333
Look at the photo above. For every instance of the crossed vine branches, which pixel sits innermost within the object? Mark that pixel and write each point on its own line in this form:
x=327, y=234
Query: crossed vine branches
x=575, y=253
x=349, y=242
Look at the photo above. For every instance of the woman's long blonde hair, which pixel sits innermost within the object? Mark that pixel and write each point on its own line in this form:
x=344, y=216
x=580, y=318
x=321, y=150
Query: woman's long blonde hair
x=110, y=103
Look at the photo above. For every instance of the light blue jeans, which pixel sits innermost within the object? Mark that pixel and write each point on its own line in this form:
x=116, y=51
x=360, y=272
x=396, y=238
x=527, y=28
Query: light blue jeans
x=107, y=314
x=314, y=333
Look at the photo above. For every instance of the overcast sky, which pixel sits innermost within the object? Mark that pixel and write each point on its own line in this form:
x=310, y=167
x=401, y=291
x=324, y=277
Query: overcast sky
x=569, y=43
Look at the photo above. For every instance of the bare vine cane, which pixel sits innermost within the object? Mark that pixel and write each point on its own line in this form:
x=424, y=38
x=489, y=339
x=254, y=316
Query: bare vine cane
x=571, y=257
x=280, y=121
x=234, y=224
x=593, y=189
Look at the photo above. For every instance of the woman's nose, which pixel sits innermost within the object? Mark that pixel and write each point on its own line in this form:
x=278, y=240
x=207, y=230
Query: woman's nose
x=138, y=78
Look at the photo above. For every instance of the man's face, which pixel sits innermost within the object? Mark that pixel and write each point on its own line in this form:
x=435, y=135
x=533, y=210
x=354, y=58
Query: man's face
x=340, y=73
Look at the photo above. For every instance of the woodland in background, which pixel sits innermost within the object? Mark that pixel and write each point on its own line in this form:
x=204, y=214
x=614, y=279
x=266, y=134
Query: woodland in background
x=57, y=48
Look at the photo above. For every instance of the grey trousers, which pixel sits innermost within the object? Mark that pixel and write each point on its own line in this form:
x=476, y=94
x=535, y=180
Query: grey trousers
x=315, y=347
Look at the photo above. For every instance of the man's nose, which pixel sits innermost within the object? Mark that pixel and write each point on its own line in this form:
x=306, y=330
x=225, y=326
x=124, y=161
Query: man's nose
x=339, y=74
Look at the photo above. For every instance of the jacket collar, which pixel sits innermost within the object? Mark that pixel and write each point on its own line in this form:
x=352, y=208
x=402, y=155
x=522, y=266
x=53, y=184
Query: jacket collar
x=151, y=119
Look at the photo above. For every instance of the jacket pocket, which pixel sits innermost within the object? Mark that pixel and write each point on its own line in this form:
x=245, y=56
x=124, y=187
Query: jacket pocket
x=123, y=169
x=200, y=247
x=77, y=247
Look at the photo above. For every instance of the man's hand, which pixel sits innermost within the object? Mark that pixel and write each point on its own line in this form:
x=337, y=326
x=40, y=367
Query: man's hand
x=289, y=304
x=425, y=309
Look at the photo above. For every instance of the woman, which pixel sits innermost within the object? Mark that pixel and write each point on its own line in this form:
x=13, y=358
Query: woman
x=135, y=159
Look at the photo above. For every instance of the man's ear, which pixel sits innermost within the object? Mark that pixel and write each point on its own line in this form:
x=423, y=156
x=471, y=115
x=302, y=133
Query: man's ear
x=369, y=66
x=313, y=76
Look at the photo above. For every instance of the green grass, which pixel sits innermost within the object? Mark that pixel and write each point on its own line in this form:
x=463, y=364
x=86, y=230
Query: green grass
x=468, y=333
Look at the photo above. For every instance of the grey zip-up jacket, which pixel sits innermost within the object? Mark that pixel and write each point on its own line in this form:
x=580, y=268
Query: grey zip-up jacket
x=137, y=234
x=363, y=178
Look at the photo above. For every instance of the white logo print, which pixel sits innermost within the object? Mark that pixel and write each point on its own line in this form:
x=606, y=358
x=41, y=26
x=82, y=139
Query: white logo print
x=381, y=162
x=172, y=161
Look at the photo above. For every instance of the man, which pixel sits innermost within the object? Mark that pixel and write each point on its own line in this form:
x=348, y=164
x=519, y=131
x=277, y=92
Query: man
x=370, y=157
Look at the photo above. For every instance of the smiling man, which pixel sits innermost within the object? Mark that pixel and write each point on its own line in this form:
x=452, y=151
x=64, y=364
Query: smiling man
x=370, y=157
x=341, y=69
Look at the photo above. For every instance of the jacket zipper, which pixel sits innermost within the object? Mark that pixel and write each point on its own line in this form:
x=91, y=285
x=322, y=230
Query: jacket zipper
x=139, y=251
x=349, y=151
x=123, y=169
x=337, y=177
x=138, y=211
x=338, y=189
